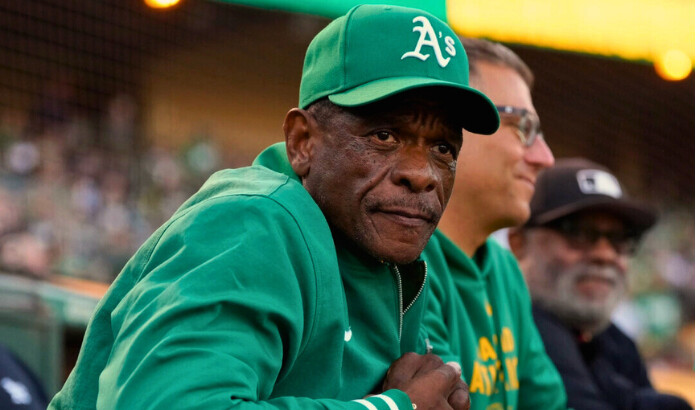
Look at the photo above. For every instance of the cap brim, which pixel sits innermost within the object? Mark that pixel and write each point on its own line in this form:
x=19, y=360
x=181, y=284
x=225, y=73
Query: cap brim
x=636, y=215
x=480, y=114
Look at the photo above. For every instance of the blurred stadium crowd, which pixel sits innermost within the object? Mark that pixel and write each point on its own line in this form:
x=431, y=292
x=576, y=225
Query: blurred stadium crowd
x=78, y=195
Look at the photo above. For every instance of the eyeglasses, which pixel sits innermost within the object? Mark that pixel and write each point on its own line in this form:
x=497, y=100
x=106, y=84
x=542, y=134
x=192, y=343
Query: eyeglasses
x=526, y=123
x=583, y=237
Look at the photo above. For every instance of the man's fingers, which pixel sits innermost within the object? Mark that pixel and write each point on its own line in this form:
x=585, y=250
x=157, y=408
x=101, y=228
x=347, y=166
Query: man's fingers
x=443, y=379
x=409, y=366
x=430, y=383
x=459, y=399
x=432, y=390
x=404, y=363
x=455, y=366
x=430, y=362
x=402, y=371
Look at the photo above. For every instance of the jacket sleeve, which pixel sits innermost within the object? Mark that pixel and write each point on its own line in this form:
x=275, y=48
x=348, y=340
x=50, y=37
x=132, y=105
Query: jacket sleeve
x=619, y=390
x=621, y=375
x=223, y=308
x=440, y=302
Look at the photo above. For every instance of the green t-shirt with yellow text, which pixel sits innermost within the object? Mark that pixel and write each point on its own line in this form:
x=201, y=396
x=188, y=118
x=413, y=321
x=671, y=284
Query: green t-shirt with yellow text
x=480, y=315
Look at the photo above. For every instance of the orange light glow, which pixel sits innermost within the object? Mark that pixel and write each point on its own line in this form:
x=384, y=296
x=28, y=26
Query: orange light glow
x=161, y=4
x=674, y=65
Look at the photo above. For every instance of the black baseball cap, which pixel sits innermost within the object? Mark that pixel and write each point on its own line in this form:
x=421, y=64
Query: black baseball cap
x=576, y=184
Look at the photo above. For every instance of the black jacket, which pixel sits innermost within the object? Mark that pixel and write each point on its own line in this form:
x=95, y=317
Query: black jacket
x=606, y=373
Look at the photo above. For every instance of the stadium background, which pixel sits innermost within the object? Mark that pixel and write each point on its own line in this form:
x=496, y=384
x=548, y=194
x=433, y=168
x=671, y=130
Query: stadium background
x=112, y=113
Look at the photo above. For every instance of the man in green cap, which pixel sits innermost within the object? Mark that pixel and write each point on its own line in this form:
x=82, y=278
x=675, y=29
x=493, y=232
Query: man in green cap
x=296, y=283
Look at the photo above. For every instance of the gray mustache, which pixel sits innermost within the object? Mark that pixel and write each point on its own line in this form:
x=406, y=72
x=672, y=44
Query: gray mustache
x=422, y=207
x=601, y=272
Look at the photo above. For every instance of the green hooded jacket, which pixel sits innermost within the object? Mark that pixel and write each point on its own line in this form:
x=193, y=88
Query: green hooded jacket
x=241, y=300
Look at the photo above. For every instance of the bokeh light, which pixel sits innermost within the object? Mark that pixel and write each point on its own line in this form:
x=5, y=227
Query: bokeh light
x=161, y=4
x=674, y=65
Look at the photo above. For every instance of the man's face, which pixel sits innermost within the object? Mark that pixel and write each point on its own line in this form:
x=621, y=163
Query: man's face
x=496, y=173
x=382, y=173
x=577, y=278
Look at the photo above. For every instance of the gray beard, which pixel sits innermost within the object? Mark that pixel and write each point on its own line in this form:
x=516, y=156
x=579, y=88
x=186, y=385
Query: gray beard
x=574, y=310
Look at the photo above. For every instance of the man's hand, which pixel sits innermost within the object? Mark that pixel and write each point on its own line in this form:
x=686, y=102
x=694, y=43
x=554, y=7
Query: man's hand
x=430, y=383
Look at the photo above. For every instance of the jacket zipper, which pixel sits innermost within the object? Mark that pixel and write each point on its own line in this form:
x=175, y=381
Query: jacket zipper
x=403, y=311
x=395, y=269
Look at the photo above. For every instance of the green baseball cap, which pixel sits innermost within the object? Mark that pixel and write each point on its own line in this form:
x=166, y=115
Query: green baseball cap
x=375, y=51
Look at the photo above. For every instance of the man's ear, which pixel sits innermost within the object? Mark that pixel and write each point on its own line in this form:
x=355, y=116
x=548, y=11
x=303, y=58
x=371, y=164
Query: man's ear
x=516, y=240
x=298, y=130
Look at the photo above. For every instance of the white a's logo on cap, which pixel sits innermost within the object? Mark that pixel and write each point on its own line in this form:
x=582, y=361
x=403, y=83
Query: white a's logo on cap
x=595, y=181
x=428, y=38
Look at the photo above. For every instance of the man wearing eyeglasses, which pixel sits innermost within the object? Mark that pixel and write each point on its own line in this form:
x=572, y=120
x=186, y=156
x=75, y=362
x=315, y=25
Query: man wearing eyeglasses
x=574, y=251
x=479, y=310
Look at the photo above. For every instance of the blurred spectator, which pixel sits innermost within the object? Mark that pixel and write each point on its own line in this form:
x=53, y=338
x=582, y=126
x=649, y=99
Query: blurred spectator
x=22, y=157
x=574, y=252
x=202, y=157
x=10, y=213
x=24, y=252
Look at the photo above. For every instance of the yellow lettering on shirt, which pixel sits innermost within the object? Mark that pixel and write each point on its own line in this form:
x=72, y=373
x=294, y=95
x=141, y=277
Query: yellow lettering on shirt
x=486, y=351
x=507, y=340
x=488, y=308
x=512, y=369
x=477, y=383
x=493, y=373
x=496, y=365
x=487, y=380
